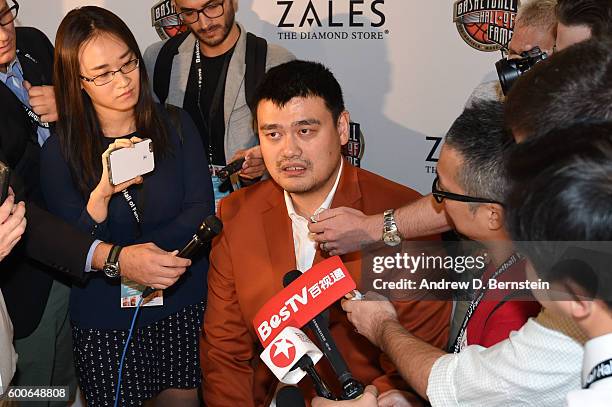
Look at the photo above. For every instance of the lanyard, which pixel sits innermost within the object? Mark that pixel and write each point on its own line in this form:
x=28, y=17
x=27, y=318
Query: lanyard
x=133, y=208
x=512, y=260
x=602, y=371
x=34, y=118
x=214, y=105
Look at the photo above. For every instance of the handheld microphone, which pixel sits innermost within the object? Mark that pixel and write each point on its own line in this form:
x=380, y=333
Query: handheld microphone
x=308, y=296
x=351, y=388
x=305, y=363
x=291, y=356
x=290, y=396
x=207, y=231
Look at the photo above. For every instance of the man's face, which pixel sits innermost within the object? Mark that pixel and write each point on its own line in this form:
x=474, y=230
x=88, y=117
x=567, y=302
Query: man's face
x=8, y=45
x=210, y=31
x=467, y=220
x=526, y=37
x=568, y=35
x=300, y=143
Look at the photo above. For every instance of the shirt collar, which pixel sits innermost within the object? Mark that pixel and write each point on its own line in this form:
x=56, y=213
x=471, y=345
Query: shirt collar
x=596, y=350
x=14, y=69
x=326, y=203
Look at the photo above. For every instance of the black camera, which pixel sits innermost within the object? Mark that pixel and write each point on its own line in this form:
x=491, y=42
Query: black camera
x=509, y=70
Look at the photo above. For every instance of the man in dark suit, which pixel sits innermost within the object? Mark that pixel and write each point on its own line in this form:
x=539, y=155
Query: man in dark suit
x=38, y=305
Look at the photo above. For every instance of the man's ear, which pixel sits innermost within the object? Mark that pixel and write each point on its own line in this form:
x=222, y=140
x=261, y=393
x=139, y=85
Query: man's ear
x=495, y=216
x=343, y=127
x=581, y=309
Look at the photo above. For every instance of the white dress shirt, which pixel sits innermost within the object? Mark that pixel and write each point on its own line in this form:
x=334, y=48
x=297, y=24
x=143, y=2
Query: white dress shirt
x=599, y=394
x=305, y=247
x=8, y=357
x=536, y=366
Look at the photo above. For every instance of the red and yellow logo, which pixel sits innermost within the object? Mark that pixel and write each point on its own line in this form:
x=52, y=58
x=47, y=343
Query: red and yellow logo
x=165, y=20
x=486, y=25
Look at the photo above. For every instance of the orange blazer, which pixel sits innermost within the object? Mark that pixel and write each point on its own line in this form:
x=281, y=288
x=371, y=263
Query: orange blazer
x=247, y=265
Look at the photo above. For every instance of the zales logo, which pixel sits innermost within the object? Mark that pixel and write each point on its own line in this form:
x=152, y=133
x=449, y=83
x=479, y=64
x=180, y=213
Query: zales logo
x=333, y=15
x=311, y=15
x=432, y=156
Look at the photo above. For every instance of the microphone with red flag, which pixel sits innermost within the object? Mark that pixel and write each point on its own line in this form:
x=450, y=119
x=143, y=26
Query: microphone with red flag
x=285, y=350
x=291, y=356
x=303, y=299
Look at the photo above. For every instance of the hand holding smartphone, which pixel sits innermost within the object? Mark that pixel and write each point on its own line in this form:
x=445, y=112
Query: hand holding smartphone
x=125, y=164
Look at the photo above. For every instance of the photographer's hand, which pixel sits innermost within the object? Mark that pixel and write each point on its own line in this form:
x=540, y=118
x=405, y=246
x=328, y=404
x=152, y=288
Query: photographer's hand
x=97, y=206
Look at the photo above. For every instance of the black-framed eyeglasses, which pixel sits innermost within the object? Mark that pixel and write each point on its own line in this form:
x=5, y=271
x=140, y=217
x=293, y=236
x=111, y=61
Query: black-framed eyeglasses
x=440, y=195
x=211, y=10
x=8, y=16
x=107, y=77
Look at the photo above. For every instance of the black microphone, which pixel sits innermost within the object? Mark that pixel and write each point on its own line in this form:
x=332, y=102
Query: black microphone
x=305, y=363
x=207, y=231
x=351, y=388
x=290, y=396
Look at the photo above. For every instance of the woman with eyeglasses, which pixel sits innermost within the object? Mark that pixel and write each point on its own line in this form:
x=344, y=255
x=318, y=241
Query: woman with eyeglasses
x=104, y=104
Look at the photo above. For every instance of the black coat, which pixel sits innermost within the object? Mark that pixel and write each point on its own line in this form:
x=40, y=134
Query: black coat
x=50, y=247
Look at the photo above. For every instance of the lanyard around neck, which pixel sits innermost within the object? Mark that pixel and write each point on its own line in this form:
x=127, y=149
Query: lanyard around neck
x=507, y=265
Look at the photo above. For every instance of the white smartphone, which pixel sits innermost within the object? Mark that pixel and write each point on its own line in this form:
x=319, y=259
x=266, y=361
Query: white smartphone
x=127, y=163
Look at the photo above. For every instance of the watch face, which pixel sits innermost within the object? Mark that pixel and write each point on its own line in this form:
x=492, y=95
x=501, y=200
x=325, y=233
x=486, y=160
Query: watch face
x=392, y=239
x=111, y=270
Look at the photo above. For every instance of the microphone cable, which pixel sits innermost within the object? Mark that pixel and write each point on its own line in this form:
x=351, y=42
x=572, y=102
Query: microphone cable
x=125, y=348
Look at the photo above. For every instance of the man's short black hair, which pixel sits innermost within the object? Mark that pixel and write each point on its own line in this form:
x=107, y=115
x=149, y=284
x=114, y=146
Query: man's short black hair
x=481, y=139
x=301, y=79
x=573, y=85
x=595, y=14
x=562, y=193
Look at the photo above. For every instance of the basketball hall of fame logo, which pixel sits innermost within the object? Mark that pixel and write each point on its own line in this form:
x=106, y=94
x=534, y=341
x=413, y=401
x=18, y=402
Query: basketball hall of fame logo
x=165, y=20
x=486, y=25
x=354, y=149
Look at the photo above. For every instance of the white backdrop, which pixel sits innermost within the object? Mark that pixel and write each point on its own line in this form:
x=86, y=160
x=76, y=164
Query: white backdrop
x=403, y=88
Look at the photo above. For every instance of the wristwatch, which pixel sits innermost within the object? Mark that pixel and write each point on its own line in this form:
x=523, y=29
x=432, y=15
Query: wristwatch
x=111, y=267
x=391, y=235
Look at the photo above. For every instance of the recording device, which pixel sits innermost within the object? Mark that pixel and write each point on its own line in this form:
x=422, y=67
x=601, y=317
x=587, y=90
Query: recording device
x=305, y=363
x=230, y=169
x=509, y=70
x=127, y=163
x=5, y=178
x=351, y=388
x=290, y=396
x=207, y=231
x=291, y=356
x=295, y=305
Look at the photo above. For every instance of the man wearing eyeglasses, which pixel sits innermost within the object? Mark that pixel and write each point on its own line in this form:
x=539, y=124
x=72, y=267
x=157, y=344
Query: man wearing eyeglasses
x=36, y=303
x=211, y=78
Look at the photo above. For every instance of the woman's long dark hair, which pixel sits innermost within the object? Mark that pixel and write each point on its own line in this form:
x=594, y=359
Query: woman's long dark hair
x=78, y=128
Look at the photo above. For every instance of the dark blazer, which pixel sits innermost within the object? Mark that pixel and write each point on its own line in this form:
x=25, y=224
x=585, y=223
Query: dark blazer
x=49, y=245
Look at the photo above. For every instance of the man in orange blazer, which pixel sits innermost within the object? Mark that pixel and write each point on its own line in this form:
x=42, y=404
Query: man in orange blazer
x=302, y=125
